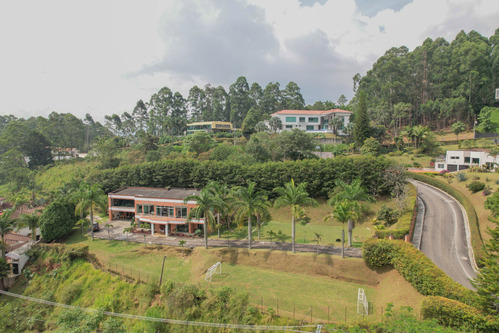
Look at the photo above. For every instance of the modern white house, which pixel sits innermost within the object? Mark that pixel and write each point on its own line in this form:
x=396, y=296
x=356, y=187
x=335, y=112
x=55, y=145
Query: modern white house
x=312, y=120
x=457, y=160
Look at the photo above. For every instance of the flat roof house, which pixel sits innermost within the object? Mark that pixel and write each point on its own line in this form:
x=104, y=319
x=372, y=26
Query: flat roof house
x=312, y=120
x=457, y=160
x=209, y=126
x=162, y=208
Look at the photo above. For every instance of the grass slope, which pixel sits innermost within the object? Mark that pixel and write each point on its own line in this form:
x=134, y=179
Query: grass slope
x=275, y=279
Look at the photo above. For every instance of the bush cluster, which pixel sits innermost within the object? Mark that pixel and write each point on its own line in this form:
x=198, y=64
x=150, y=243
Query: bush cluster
x=476, y=186
x=457, y=315
x=403, y=225
x=320, y=174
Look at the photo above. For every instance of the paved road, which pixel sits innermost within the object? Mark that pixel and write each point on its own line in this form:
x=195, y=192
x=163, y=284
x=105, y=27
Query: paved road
x=116, y=233
x=446, y=235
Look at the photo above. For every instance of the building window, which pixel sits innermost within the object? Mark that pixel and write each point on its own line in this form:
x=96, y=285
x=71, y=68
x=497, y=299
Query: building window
x=475, y=161
x=139, y=209
x=182, y=227
x=291, y=119
x=181, y=212
x=466, y=159
x=313, y=119
x=440, y=166
x=149, y=209
x=454, y=157
x=302, y=119
x=288, y=126
x=164, y=211
x=309, y=127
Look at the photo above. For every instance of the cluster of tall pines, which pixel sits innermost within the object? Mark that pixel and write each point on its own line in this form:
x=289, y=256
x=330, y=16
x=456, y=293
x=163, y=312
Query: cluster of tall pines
x=435, y=85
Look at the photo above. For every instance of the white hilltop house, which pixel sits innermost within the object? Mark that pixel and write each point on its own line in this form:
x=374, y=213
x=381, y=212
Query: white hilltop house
x=312, y=121
x=457, y=160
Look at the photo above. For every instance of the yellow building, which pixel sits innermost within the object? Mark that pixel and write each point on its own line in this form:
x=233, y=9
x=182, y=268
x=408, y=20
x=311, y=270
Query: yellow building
x=209, y=126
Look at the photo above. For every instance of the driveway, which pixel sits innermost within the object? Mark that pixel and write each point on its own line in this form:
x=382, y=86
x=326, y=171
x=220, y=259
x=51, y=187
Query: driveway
x=116, y=233
x=446, y=234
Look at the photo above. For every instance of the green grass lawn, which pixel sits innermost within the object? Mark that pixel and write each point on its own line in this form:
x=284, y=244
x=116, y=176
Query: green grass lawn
x=494, y=117
x=274, y=279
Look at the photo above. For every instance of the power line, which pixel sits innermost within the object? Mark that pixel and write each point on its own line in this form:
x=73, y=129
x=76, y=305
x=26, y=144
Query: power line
x=163, y=320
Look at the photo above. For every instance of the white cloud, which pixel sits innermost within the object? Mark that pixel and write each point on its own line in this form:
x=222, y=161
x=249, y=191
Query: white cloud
x=101, y=57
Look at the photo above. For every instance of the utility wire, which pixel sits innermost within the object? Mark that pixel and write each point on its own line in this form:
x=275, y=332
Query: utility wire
x=164, y=320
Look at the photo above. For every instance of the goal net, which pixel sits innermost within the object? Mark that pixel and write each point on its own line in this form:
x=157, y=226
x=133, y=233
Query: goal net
x=362, y=302
x=212, y=270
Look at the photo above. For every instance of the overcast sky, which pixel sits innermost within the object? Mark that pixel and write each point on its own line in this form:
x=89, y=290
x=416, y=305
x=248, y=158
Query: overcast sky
x=101, y=57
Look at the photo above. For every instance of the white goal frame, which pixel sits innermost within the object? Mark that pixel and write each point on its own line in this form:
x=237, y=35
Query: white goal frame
x=212, y=269
x=362, y=302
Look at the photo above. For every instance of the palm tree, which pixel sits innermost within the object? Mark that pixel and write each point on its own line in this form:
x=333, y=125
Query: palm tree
x=353, y=193
x=181, y=243
x=31, y=221
x=222, y=199
x=317, y=238
x=128, y=230
x=250, y=202
x=342, y=212
x=7, y=224
x=205, y=202
x=107, y=226
x=420, y=133
x=90, y=198
x=294, y=196
x=4, y=272
x=335, y=123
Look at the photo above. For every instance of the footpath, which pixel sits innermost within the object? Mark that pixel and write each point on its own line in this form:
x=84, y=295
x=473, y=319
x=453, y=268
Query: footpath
x=116, y=233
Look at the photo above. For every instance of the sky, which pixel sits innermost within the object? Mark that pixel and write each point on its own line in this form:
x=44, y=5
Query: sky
x=101, y=57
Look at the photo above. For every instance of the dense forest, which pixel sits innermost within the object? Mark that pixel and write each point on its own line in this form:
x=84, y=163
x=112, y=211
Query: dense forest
x=435, y=85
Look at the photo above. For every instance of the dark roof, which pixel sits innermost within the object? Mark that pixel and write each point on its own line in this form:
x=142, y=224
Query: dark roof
x=152, y=192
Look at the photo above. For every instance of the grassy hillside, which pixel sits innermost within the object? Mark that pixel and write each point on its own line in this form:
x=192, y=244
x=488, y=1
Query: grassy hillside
x=275, y=279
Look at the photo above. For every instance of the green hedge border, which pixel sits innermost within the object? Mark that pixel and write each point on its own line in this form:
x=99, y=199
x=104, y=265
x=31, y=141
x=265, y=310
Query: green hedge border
x=416, y=268
x=405, y=223
x=476, y=238
x=457, y=315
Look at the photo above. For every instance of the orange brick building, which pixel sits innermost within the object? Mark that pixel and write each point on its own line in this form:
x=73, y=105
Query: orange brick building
x=162, y=208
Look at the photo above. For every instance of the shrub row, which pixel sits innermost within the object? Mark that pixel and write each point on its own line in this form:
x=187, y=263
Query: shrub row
x=416, y=268
x=403, y=226
x=457, y=315
x=476, y=238
x=319, y=174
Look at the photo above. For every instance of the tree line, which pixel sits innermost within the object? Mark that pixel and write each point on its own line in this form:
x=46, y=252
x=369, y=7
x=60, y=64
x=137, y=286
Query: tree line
x=435, y=85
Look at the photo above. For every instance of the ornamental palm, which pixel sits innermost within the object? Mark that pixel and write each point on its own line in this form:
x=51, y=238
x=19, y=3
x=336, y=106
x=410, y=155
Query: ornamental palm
x=220, y=193
x=7, y=224
x=205, y=202
x=354, y=193
x=250, y=202
x=343, y=212
x=335, y=123
x=294, y=196
x=31, y=221
x=91, y=198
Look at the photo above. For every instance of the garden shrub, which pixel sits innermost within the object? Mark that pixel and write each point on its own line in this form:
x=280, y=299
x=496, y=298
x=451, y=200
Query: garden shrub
x=378, y=253
x=388, y=215
x=461, y=176
x=457, y=315
x=57, y=220
x=476, y=186
x=403, y=225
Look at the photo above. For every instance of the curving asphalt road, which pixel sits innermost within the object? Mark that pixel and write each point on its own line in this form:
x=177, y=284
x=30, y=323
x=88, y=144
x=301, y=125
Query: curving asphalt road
x=446, y=234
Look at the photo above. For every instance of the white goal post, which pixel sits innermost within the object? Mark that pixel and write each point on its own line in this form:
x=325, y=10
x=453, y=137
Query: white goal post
x=362, y=302
x=212, y=269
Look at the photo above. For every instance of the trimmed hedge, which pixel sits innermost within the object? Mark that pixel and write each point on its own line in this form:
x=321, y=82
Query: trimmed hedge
x=403, y=226
x=416, y=268
x=319, y=174
x=476, y=238
x=457, y=315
